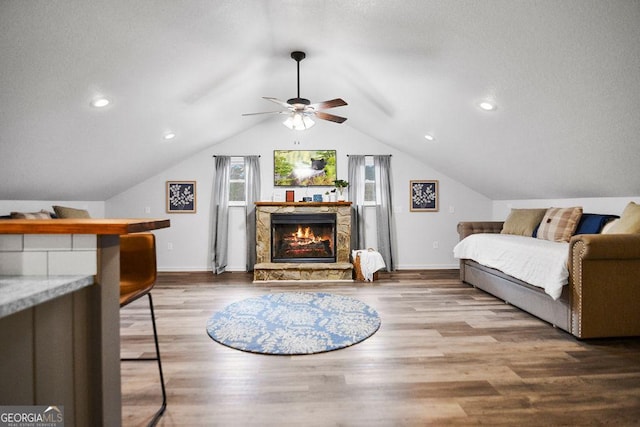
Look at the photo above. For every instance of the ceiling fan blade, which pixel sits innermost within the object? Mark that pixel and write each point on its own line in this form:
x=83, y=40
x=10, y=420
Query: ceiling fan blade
x=277, y=101
x=266, y=112
x=331, y=117
x=338, y=102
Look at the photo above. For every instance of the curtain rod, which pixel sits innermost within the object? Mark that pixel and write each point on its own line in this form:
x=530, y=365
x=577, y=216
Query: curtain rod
x=215, y=155
x=370, y=155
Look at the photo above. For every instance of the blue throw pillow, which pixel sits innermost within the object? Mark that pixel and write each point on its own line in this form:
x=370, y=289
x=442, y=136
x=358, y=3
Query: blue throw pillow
x=593, y=223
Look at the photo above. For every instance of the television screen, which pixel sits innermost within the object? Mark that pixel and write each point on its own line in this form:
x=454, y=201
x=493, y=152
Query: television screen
x=302, y=168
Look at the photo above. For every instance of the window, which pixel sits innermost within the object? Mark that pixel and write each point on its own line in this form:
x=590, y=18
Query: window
x=237, y=196
x=369, y=181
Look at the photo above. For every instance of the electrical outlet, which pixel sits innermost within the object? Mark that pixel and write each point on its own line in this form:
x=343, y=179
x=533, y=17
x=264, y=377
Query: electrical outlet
x=452, y=209
x=435, y=244
x=147, y=209
x=170, y=246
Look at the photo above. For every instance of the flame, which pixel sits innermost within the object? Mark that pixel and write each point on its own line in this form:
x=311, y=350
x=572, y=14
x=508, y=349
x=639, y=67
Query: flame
x=300, y=241
x=305, y=235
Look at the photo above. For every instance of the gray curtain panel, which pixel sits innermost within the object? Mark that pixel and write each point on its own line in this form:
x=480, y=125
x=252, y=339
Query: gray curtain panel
x=220, y=214
x=356, y=197
x=384, y=211
x=252, y=195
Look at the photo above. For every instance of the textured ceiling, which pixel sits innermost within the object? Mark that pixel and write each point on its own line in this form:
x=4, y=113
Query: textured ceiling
x=565, y=76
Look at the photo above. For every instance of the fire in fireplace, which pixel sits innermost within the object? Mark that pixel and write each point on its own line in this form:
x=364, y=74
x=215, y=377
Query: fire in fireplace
x=303, y=237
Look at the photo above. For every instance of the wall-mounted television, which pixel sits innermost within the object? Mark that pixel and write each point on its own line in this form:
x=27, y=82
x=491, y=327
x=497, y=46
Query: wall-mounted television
x=304, y=168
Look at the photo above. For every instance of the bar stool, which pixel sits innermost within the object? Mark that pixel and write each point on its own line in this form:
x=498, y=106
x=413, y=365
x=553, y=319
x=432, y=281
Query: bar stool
x=138, y=275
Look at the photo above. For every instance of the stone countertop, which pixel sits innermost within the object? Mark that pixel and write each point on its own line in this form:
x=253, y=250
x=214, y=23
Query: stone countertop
x=21, y=292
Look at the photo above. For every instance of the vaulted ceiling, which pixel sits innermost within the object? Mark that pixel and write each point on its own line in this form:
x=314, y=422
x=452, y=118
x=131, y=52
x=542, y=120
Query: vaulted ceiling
x=565, y=76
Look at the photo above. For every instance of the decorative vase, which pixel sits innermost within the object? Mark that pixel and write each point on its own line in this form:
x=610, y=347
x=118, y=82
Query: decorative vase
x=341, y=197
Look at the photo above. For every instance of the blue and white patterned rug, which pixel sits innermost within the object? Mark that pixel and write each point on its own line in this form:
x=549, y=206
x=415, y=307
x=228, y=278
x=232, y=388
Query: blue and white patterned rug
x=293, y=323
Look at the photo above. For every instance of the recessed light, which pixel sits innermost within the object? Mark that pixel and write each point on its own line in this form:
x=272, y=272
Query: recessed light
x=100, y=102
x=169, y=135
x=487, y=106
x=429, y=137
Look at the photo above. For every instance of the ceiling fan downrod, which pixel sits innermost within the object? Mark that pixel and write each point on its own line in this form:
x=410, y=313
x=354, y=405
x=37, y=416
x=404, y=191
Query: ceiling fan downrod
x=298, y=56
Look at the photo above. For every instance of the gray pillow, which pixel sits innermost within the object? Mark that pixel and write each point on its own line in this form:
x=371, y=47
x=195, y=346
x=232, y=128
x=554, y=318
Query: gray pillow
x=65, y=212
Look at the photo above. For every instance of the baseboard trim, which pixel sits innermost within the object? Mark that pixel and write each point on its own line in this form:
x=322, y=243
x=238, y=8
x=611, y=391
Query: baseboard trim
x=242, y=270
x=183, y=269
x=428, y=266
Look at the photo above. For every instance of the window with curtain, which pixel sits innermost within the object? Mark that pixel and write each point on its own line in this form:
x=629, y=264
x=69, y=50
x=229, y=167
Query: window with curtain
x=370, y=186
x=369, y=181
x=236, y=183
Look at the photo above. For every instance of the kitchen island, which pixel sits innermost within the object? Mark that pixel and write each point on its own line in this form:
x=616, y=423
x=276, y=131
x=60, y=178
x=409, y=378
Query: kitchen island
x=60, y=315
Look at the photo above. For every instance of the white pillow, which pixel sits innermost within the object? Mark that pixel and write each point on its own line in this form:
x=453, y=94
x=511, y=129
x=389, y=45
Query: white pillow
x=608, y=226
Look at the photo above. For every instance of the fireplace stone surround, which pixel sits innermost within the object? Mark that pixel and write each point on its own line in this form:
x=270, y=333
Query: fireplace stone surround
x=265, y=270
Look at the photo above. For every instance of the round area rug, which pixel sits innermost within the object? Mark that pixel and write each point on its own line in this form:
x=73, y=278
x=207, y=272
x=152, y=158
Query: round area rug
x=293, y=323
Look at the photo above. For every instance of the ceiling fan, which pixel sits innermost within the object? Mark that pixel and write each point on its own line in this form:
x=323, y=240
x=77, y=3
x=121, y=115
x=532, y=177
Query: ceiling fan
x=300, y=110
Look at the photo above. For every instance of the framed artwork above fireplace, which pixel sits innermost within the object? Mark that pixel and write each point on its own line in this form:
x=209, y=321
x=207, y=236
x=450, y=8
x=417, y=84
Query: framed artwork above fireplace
x=304, y=168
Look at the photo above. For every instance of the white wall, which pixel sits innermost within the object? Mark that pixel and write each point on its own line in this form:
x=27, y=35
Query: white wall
x=416, y=231
x=189, y=233
x=603, y=205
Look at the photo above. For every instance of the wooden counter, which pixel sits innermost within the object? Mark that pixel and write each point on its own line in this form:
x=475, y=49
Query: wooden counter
x=62, y=346
x=80, y=226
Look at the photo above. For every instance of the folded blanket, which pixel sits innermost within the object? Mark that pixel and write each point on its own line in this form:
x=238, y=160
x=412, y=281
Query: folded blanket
x=370, y=262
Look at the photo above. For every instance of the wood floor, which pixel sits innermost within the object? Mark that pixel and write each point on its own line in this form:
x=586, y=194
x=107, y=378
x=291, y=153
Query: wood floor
x=446, y=354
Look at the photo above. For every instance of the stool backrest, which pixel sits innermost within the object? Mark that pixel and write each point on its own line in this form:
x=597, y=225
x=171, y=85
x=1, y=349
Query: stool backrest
x=138, y=270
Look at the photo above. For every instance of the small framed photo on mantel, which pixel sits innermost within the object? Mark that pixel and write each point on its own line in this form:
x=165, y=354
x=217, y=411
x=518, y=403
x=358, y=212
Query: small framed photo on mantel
x=423, y=196
x=181, y=197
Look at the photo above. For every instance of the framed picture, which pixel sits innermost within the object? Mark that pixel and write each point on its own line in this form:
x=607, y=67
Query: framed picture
x=290, y=196
x=304, y=168
x=423, y=196
x=181, y=196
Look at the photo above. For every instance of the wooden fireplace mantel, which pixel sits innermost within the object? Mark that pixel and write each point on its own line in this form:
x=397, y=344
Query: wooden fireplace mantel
x=298, y=204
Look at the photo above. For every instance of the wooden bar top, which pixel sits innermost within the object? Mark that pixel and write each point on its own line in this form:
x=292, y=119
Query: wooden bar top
x=80, y=226
x=303, y=203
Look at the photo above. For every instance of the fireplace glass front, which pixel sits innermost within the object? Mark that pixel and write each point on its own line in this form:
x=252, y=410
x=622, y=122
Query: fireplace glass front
x=303, y=237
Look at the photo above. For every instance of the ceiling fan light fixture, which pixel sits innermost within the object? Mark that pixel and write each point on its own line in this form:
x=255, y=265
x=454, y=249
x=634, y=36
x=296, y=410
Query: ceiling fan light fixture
x=297, y=121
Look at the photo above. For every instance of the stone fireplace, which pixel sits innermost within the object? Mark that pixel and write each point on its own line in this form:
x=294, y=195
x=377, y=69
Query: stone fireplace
x=303, y=241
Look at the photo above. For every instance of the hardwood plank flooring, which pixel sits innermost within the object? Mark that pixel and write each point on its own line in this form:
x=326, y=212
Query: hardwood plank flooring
x=446, y=354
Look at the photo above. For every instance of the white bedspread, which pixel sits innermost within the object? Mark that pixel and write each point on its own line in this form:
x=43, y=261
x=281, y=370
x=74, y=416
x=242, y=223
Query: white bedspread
x=541, y=263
